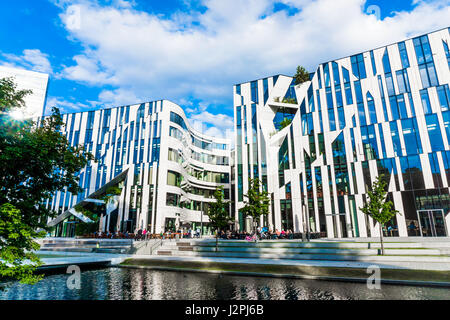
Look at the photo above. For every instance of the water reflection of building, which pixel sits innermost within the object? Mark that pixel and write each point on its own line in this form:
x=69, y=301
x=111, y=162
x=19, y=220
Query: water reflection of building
x=159, y=173
x=317, y=147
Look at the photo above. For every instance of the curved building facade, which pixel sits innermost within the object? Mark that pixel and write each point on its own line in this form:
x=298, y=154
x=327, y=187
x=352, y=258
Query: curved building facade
x=166, y=172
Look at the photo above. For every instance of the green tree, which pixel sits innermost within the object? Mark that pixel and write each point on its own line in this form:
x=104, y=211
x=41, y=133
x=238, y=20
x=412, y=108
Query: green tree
x=301, y=75
x=378, y=207
x=258, y=201
x=10, y=97
x=218, y=213
x=17, y=245
x=36, y=160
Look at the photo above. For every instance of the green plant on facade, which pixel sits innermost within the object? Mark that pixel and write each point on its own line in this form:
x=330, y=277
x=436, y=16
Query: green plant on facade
x=218, y=213
x=84, y=228
x=286, y=122
x=110, y=193
x=35, y=162
x=378, y=207
x=258, y=201
x=290, y=100
x=301, y=75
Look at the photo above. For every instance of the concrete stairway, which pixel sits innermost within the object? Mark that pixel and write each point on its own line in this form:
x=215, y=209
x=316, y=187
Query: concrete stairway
x=86, y=245
x=395, y=250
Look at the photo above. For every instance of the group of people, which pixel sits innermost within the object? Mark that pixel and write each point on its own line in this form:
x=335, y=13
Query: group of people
x=111, y=235
x=142, y=234
x=192, y=233
x=260, y=234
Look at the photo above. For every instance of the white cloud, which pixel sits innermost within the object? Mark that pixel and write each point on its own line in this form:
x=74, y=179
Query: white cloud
x=119, y=97
x=87, y=70
x=221, y=121
x=201, y=55
x=217, y=125
x=31, y=59
x=65, y=105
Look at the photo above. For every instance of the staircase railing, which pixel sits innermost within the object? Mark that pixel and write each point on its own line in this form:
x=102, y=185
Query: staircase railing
x=156, y=245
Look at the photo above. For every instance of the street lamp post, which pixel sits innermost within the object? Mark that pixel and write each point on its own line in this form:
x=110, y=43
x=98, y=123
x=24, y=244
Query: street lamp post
x=306, y=223
x=201, y=219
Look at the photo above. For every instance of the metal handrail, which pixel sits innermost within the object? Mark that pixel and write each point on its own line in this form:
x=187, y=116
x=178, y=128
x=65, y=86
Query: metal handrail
x=156, y=245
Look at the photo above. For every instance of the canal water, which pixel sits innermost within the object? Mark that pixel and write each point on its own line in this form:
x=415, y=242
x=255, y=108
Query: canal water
x=141, y=284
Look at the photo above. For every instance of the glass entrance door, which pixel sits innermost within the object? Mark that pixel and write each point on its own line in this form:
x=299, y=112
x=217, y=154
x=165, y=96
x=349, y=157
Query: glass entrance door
x=432, y=223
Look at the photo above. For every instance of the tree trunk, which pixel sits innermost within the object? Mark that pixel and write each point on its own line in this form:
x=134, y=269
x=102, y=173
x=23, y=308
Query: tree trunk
x=217, y=240
x=381, y=238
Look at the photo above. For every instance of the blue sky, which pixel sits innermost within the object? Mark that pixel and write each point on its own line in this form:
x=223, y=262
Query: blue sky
x=116, y=52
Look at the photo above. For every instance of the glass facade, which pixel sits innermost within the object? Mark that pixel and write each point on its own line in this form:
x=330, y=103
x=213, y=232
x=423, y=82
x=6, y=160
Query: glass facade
x=388, y=115
x=143, y=150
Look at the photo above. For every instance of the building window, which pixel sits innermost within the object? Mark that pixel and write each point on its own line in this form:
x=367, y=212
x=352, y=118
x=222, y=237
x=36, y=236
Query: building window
x=286, y=215
x=403, y=55
x=425, y=101
x=174, y=178
x=362, y=114
x=412, y=172
x=434, y=133
x=175, y=118
x=174, y=156
x=311, y=99
x=266, y=90
x=358, y=67
x=395, y=139
x=254, y=91
x=447, y=52
x=425, y=62
x=336, y=76
x=332, y=119
x=403, y=81
x=329, y=96
x=172, y=200
x=177, y=134
x=386, y=62
x=347, y=86
x=383, y=100
x=390, y=84
x=326, y=73
x=411, y=137
x=446, y=117
x=341, y=116
x=374, y=66
x=155, y=149
x=371, y=108
x=369, y=142
x=444, y=97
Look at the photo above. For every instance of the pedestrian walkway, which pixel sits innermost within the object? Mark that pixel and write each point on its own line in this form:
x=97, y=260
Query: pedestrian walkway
x=61, y=259
x=430, y=253
x=437, y=266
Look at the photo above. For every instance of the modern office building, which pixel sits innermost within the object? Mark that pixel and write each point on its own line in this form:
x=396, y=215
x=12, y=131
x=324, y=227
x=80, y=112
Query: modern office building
x=166, y=171
x=318, y=146
x=29, y=80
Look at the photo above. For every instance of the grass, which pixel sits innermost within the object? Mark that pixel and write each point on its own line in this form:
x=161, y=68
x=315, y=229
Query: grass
x=360, y=273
